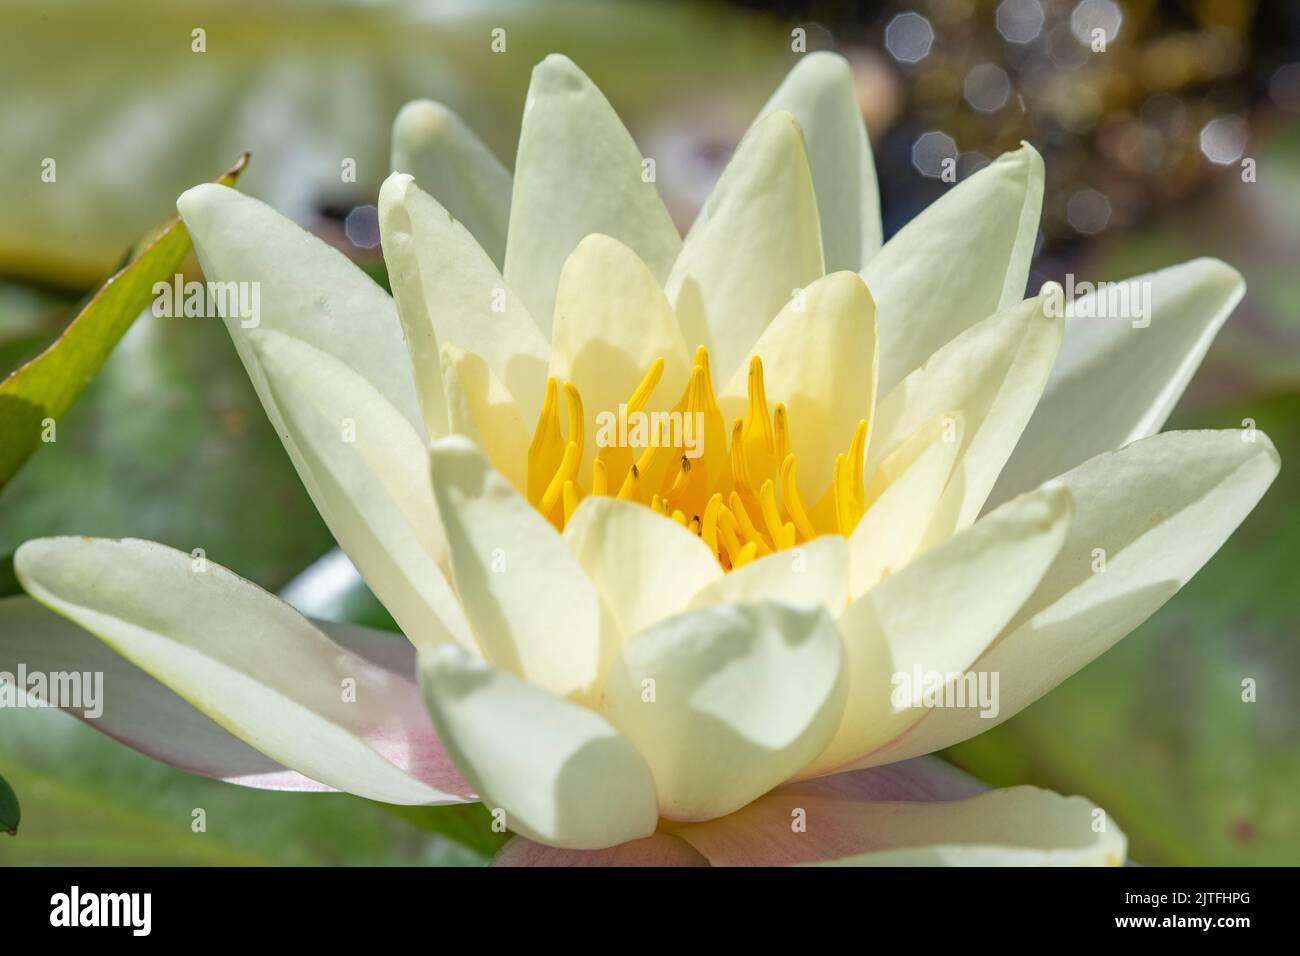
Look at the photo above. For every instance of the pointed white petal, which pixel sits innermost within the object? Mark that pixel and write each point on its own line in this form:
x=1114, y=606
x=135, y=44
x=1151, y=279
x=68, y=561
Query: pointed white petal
x=449, y=292
x=366, y=469
x=819, y=358
x=534, y=610
x=937, y=615
x=450, y=163
x=562, y=775
x=1151, y=514
x=728, y=701
x=1118, y=378
x=993, y=373
x=577, y=172
x=819, y=92
x=247, y=660
x=304, y=288
x=612, y=322
x=759, y=243
x=966, y=256
x=644, y=565
x=903, y=494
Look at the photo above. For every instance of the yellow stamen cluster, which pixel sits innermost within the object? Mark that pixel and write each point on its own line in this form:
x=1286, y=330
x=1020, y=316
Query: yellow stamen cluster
x=741, y=497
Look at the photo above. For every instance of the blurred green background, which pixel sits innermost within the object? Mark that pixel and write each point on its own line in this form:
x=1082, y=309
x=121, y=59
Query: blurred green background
x=1144, y=145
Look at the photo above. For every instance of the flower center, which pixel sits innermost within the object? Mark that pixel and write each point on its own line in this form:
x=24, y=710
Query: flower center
x=736, y=488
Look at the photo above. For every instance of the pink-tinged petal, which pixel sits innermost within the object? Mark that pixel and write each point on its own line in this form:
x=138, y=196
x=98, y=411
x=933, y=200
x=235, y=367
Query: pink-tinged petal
x=1016, y=826
x=658, y=849
x=140, y=711
x=925, y=778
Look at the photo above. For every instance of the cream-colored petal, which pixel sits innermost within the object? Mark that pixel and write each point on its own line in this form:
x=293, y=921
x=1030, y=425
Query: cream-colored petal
x=480, y=407
x=814, y=574
x=534, y=610
x=612, y=322
x=727, y=701
x=937, y=615
x=759, y=242
x=303, y=287
x=1118, y=378
x=964, y=257
x=1151, y=514
x=819, y=358
x=578, y=171
x=644, y=565
x=449, y=292
x=562, y=775
x=903, y=494
x=1018, y=826
x=366, y=469
x=993, y=373
x=449, y=162
x=244, y=658
x=134, y=708
x=820, y=93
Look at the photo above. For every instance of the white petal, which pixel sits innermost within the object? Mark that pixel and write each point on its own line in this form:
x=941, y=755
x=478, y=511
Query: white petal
x=964, y=257
x=819, y=92
x=644, y=565
x=612, y=322
x=1155, y=512
x=937, y=615
x=562, y=775
x=367, y=472
x=135, y=709
x=993, y=373
x=759, y=243
x=533, y=608
x=577, y=172
x=449, y=292
x=245, y=659
x=305, y=289
x=903, y=494
x=1018, y=826
x=449, y=162
x=819, y=358
x=1117, y=379
x=728, y=701
x=811, y=575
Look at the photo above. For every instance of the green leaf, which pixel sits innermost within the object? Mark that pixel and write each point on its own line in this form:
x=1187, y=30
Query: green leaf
x=45, y=387
x=469, y=824
x=10, y=813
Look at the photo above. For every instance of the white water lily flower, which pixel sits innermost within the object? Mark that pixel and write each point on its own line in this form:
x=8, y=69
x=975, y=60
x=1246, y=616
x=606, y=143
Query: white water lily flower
x=682, y=651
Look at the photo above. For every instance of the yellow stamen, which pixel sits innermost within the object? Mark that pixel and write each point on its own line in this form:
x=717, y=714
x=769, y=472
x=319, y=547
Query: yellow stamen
x=567, y=471
x=547, y=447
x=736, y=488
x=571, y=500
x=794, y=501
